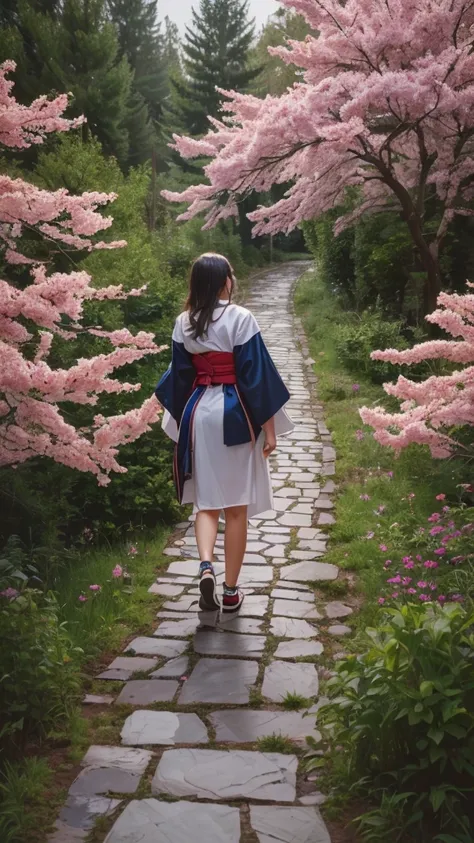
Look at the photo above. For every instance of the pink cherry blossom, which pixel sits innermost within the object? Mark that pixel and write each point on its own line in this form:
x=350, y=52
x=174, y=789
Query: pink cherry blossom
x=32, y=390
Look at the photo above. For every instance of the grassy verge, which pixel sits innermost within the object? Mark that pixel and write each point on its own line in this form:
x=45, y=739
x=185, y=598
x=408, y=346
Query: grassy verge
x=368, y=475
x=33, y=786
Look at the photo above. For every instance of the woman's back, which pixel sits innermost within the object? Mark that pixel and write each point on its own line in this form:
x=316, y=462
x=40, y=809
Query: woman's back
x=231, y=326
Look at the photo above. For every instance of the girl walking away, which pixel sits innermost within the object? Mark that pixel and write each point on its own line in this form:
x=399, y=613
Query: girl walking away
x=223, y=400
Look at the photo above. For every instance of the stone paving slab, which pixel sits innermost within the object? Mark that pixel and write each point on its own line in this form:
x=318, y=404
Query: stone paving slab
x=229, y=644
x=291, y=594
x=151, y=821
x=310, y=572
x=161, y=728
x=295, y=609
x=146, y=692
x=157, y=647
x=220, y=681
x=128, y=759
x=292, y=628
x=337, y=610
x=124, y=667
x=282, y=678
x=238, y=774
x=298, y=649
x=174, y=669
x=288, y=825
x=82, y=812
x=244, y=726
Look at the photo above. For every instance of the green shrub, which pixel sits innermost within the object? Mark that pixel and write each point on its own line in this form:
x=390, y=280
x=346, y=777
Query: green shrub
x=402, y=714
x=39, y=683
x=22, y=798
x=357, y=338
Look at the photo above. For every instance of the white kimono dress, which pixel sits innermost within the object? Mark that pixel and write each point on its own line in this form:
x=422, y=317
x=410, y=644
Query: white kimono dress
x=217, y=427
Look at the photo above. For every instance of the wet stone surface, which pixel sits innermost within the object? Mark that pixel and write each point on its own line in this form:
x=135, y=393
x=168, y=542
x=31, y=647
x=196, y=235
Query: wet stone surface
x=220, y=681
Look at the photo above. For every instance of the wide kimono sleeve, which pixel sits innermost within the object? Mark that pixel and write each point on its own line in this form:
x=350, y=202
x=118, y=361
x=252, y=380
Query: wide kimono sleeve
x=258, y=380
x=176, y=385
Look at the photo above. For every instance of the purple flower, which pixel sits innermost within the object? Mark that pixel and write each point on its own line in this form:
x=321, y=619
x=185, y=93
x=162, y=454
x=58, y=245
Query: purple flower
x=383, y=548
x=409, y=564
x=422, y=584
x=411, y=590
x=436, y=530
x=457, y=598
x=434, y=517
x=82, y=598
x=359, y=435
x=387, y=563
x=95, y=588
x=406, y=581
x=390, y=474
x=425, y=598
x=441, y=598
x=395, y=595
x=117, y=572
x=457, y=559
x=440, y=551
x=355, y=387
x=370, y=535
x=395, y=580
x=365, y=497
x=430, y=563
x=10, y=593
x=381, y=600
x=381, y=509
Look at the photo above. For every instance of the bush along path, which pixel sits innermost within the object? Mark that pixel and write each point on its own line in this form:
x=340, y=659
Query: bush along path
x=212, y=710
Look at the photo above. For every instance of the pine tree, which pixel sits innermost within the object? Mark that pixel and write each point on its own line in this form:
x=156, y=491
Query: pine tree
x=142, y=43
x=72, y=46
x=216, y=50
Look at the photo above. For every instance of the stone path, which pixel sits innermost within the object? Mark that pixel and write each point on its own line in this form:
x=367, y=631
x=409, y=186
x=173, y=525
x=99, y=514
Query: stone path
x=205, y=719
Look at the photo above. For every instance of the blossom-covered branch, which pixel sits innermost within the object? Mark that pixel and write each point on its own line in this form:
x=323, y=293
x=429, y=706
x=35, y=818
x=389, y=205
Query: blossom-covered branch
x=31, y=422
x=385, y=104
x=432, y=408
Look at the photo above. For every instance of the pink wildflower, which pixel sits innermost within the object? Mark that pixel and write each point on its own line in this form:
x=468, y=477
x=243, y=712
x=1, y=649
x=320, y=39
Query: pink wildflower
x=430, y=564
x=395, y=595
x=441, y=497
x=457, y=598
x=133, y=551
x=435, y=517
x=117, y=572
x=436, y=530
x=409, y=564
x=422, y=584
x=381, y=509
x=441, y=598
x=440, y=551
x=425, y=598
x=359, y=435
x=406, y=581
x=387, y=563
x=355, y=387
x=95, y=588
x=82, y=598
x=390, y=475
x=411, y=590
x=381, y=600
x=411, y=496
x=370, y=535
x=383, y=548
x=395, y=580
x=365, y=497
x=10, y=593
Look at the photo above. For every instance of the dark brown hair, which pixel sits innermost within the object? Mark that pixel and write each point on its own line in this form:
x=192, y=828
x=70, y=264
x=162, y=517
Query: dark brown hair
x=208, y=277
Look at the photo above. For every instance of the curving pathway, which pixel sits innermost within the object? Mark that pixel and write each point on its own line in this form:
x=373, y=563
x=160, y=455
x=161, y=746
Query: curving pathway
x=199, y=757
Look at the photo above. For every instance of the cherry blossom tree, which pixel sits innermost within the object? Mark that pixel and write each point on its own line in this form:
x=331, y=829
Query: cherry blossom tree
x=51, y=306
x=385, y=106
x=432, y=408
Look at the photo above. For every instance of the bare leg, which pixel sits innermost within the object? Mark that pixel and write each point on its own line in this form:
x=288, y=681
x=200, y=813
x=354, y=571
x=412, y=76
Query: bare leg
x=235, y=543
x=206, y=525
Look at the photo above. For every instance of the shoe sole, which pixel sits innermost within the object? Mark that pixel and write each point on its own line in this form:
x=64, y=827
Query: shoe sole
x=208, y=600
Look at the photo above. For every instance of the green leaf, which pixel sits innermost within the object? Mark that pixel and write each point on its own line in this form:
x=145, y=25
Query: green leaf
x=436, y=735
x=437, y=798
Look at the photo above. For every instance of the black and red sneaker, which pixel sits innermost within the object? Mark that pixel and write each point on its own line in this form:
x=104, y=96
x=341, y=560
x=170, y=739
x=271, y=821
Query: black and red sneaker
x=208, y=601
x=232, y=599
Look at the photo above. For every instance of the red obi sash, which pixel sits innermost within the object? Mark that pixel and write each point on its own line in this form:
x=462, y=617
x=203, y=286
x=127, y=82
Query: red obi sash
x=214, y=367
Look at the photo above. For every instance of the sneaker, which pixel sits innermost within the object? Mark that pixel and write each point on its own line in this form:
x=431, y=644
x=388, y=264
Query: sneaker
x=232, y=602
x=208, y=601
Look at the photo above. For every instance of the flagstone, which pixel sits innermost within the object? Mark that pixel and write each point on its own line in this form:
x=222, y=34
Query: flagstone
x=290, y=594
x=176, y=822
x=295, y=609
x=220, y=681
x=156, y=647
x=282, y=678
x=247, y=726
x=310, y=572
x=229, y=644
x=288, y=825
x=298, y=648
x=337, y=610
x=295, y=520
x=238, y=774
x=161, y=728
x=292, y=628
x=165, y=590
x=146, y=692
